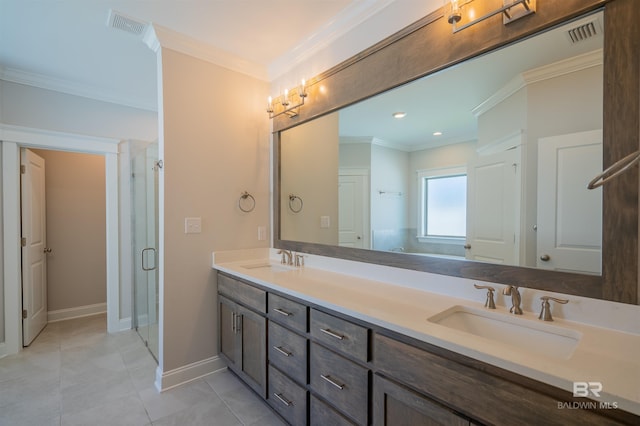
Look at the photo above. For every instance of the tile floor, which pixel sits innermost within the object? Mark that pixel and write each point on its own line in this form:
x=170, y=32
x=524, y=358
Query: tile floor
x=74, y=373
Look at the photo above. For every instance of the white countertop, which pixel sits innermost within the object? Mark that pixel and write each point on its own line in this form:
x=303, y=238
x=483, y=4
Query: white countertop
x=606, y=355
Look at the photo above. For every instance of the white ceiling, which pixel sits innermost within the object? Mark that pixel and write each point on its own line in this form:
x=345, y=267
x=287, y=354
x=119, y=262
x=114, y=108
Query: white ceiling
x=66, y=44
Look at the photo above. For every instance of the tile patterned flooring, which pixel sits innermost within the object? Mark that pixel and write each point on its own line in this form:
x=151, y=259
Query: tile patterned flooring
x=74, y=373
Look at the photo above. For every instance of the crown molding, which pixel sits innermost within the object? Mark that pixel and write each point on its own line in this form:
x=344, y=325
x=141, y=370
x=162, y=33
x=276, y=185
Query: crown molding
x=353, y=15
x=157, y=37
x=73, y=88
x=546, y=72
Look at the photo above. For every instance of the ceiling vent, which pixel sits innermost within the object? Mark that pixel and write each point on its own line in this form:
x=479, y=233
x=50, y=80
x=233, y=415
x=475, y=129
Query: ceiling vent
x=123, y=22
x=584, y=31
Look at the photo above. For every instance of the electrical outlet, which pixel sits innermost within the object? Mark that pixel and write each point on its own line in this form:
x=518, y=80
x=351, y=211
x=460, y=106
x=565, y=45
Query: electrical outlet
x=192, y=225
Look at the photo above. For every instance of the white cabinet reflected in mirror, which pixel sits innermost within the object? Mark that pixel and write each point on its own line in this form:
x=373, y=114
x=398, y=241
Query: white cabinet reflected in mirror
x=518, y=131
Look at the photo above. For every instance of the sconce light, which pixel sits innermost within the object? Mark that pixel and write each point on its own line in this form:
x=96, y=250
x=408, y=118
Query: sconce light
x=283, y=103
x=511, y=10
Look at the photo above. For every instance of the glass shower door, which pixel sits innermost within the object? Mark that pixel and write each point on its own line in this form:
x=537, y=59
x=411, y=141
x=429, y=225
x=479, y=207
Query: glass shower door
x=144, y=202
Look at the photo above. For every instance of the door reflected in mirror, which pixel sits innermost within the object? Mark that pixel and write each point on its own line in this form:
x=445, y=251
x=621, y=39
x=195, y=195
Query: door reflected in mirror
x=517, y=131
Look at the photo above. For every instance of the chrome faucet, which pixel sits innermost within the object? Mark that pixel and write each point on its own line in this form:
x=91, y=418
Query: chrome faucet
x=287, y=258
x=512, y=291
x=299, y=262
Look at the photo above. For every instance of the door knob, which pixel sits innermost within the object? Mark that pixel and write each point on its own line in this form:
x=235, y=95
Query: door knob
x=545, y=257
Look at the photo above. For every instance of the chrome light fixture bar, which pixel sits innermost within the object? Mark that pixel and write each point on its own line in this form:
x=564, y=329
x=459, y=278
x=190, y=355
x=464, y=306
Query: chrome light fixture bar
x=511, y=11
x=284, y=105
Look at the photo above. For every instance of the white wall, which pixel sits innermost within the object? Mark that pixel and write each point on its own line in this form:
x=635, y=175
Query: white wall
x=389, y=174
x=45, y=109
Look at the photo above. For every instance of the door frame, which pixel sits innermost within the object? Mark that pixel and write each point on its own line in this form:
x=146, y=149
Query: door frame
x=13, y=138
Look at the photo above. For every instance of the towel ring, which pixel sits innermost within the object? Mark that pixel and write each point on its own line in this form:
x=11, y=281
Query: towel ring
x=292, y=199
x=614, y=170
x=244, y=196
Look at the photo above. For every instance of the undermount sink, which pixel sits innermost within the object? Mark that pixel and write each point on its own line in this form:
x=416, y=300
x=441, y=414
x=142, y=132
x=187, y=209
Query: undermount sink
x=270, y=266
x=525, y=334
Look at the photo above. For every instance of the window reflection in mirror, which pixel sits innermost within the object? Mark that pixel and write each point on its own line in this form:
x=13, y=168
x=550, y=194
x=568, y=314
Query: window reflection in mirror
x=523, y=124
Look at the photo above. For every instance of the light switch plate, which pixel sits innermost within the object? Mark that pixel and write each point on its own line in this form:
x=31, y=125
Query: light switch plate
x=325, y=222
x=262, y=233
x=192, y=225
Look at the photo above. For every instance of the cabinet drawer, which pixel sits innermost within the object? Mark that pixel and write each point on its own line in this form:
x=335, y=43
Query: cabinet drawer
x=287, y=398
x=243, y=293
x=344, y=384
x=320, y=414
x=341, y=335
x=288, y=352
x=287, y=312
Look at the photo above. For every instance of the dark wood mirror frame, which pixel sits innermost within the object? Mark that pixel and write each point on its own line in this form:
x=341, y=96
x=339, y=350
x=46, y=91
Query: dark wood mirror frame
x=429, y=46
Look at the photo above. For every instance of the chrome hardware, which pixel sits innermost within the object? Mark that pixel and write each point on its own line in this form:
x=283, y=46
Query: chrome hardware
x=333, y=382
x=292, y=202
x=286, y=257
x=332, y=334
x=281, y=312
x=489, y=303
x=282, y=351
x=299, y=260
x=47, y=250
x=233, y=322
x=467, y=246
x=545, y=313
x=282, y=399
x=515, y=299
x=545, y=257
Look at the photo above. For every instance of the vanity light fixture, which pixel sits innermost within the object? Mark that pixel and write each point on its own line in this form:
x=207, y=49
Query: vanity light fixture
x=399, y=114
x=511, y=10
x=283, y=103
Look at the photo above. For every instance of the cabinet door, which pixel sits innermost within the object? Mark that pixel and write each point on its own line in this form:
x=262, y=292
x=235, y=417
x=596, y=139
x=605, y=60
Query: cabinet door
x=253, y=331
x=228, y=329
x=394, y=405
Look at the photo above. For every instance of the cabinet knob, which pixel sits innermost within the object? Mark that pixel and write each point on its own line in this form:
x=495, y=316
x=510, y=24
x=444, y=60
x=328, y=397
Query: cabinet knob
x=467, y=246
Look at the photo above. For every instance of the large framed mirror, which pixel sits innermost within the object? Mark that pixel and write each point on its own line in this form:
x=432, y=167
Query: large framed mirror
x=517, y=125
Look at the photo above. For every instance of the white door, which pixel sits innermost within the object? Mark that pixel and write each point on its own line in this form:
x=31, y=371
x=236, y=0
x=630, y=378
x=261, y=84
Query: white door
x=34, y=235
x=493, y=208
x=569, y=214
x=351, y=211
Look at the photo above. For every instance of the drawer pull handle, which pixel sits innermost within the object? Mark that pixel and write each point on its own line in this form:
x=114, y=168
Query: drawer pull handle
x=282, y=351
x=333, y=382
x=282, y=399
x=281, y=312
x=332, y=334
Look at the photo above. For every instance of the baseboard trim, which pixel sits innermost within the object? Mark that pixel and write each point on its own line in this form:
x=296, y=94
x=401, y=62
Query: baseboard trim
x=124, y=324
x=188, y=373
x=77, y=312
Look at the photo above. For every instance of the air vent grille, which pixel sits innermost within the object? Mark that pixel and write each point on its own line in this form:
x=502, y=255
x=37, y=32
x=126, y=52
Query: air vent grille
x=583, y=32
x=125, y=23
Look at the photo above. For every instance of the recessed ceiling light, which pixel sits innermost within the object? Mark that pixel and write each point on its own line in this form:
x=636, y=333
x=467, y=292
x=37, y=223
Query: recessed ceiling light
x=399, y=114
x=437, y=133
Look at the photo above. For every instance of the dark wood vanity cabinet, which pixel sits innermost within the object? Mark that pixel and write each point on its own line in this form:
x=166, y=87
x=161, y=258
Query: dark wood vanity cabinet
x=243, y=331
x=319, y=367
x=395, y=405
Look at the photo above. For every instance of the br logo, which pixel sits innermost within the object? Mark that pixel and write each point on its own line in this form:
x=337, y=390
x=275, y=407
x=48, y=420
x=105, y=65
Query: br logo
x=584, y=389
